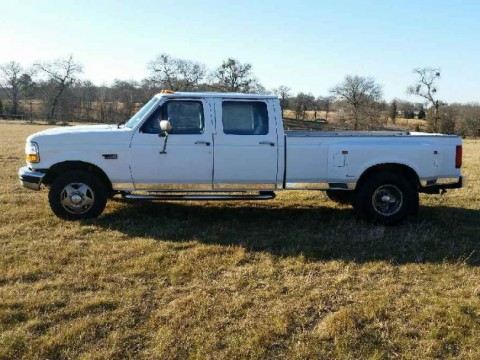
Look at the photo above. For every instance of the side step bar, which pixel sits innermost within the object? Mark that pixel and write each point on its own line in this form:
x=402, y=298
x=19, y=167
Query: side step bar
x=263, y=195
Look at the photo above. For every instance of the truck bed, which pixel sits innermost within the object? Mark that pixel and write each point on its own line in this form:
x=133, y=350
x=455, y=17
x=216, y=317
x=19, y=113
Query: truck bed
x=341, y=157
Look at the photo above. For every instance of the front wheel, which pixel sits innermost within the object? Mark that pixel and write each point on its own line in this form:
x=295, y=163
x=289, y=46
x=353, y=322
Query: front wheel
x=386, y=198
x=77, y=195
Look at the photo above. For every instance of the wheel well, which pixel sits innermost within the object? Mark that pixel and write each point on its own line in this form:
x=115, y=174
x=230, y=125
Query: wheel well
x=402, y=169
x=62, y=167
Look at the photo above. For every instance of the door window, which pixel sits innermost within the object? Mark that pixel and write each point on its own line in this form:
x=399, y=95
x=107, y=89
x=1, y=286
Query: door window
x=244, y=118
x=186, y=117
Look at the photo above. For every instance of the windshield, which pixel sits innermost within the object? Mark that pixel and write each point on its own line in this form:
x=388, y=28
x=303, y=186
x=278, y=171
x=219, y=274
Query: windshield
x=135, y=119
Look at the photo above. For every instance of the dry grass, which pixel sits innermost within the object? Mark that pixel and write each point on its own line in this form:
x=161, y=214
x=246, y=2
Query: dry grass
x=296, y=277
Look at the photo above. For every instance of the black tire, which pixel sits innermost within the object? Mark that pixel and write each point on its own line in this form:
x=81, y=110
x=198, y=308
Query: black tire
x=83, y=184
x=344, y=197
x=386, y=198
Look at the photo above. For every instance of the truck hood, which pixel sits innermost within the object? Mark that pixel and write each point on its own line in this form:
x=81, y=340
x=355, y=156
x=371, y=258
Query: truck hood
x=80, y=131
x=81, y=136
x=76, y=129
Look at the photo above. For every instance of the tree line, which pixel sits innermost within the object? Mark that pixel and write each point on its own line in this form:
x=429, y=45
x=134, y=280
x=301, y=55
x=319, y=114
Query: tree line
x=55, y=91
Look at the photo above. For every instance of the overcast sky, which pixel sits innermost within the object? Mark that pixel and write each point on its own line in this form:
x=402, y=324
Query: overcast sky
x=307, y=45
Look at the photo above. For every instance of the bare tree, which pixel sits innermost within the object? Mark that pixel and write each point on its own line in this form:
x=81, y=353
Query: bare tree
x=61, y=74
x=315, y=107
x=325, y=104
x=469, y=119
x=27, y=90
x=176, y=74
x=234, y=76
x=358, y=92
x=148, y=88
x=124, y=92
x=283, y=92
x=10, y=74
x=449, y=116
x=426, y=87
x=87, y=97
x=302, y=103
x=393, y=111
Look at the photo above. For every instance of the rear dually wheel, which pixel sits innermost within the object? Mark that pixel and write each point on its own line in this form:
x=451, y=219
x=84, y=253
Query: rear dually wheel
x=386, y=198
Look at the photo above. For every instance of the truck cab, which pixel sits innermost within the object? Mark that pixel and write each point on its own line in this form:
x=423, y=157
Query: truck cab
x=216, y=143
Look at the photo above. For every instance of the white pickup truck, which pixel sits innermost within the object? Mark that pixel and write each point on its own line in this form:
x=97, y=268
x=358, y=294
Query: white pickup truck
x=220, y=146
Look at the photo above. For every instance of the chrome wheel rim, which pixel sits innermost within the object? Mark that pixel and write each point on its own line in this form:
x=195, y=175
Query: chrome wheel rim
x=77, y=198
x=387, y=200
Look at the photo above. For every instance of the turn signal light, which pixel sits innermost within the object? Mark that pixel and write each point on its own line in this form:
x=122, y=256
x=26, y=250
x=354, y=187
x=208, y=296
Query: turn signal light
x=33, y=158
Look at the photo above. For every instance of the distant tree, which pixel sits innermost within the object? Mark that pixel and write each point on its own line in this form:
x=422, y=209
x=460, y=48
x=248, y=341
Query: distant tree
x=103, y=105
x=359, y=93
x=283, y=92
x=10, y=74
x=422, y=114
x=27, y=90
x=409, y=114
x=448, y=117
x=393, y=111
x=233, y=76
x=325, y=104
x=316, y=108
x=302, y=103
x=148, y=87
x=471, y=120
x=61, y=74
x=87, y=96
x=176, y=74
x=471, y=127
x=1, y=107
x=426, y=87
x=298, y=107
x=124, y=92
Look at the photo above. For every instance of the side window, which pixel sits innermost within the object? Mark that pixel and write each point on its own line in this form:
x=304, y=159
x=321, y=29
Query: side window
x=185, y=116
x=245, y=118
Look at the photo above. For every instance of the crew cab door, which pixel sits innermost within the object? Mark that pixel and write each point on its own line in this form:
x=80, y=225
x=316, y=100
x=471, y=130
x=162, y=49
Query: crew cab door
x=246, y=145
x=188, y=161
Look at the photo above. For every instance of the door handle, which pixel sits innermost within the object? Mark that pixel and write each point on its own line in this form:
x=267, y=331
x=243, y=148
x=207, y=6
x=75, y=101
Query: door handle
x=267, y=143
x=201, y=142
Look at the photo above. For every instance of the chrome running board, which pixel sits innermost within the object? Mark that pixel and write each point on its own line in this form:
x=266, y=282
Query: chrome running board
x=263, y=195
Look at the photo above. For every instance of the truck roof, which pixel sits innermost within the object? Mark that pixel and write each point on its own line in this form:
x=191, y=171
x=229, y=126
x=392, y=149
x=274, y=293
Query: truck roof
x=216, y=94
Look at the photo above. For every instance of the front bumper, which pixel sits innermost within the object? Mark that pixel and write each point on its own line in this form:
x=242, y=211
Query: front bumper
x=30, y=179
x=436, y=187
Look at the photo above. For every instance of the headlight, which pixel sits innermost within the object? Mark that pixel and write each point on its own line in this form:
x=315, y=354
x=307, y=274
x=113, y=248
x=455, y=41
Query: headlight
x=32, y=153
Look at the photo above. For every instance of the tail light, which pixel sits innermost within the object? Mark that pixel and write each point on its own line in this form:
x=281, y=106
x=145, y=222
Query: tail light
x=458, y=156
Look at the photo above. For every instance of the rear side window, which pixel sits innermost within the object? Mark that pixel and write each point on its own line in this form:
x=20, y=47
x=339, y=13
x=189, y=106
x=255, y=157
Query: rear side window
x=244, y=118
x=185, y=116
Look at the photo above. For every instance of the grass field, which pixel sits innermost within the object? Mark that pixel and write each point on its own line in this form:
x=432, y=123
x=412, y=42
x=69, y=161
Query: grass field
x=293, y=278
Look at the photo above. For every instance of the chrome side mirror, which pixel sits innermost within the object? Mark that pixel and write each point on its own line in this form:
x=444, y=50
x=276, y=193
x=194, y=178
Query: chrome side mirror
x=165, y=127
